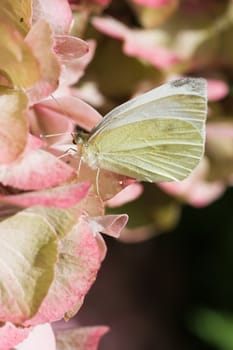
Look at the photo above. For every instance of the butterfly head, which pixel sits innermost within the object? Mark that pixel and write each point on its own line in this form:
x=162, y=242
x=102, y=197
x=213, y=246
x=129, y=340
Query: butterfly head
x=80, y=137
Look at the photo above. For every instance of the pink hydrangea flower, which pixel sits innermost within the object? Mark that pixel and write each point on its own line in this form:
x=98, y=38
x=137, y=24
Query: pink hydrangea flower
x=217, y=89
x=196, y=189
x=136, y=43
x=153, y=3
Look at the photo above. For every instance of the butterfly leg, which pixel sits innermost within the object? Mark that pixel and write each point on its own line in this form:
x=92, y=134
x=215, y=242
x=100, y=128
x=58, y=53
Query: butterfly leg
x=69, y=152
x=97, y=182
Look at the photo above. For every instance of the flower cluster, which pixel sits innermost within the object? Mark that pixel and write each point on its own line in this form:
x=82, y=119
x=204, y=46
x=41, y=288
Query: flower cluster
x=61, y=61
x=51, y=249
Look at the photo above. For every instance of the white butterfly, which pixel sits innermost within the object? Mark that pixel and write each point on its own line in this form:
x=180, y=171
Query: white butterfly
x=158, y=136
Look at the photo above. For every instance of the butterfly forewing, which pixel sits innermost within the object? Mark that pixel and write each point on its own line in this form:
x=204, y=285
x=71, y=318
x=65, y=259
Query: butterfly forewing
x=182, y=99
x=158, y=136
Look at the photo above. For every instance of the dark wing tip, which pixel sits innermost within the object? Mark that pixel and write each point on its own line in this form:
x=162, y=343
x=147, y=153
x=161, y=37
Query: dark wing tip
x=197, y=85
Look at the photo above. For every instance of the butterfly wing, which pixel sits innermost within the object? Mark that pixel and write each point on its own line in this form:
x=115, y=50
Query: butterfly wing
x=156, y=137
x=180, y=99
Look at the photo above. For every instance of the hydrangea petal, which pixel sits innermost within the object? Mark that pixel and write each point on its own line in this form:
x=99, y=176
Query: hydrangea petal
x=141, y=44
x=111, y=225
x=36, y=170
x=17, y=59
x=40, y=39
x=56, y=12
x=11, y=335
x=217, y=89
x=46, y=121
x=69, y=48
x=14, y=128
x=78, y=262
x=111, y=27
x=19, y=13
x=60, y=197
x=73, y=70
x=106, y=184
x=86, y=338
x=28, y=255
x=195, y=190
x=41, y=337
x=76, y=109
x=128, y=194
x=153, y=3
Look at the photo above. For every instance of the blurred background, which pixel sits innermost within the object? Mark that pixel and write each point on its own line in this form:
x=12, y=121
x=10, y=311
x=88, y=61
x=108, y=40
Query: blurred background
x=173, y=291
x=167, y=284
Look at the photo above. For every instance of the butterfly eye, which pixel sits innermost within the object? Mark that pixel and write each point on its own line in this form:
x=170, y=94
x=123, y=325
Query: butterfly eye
x=79, y=137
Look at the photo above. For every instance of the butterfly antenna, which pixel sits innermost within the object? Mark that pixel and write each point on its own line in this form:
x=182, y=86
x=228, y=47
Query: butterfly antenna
x=45, y=136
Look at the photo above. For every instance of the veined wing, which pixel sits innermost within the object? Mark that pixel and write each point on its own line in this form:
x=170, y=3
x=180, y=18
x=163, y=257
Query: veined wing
x=183, y=99
x=160, y=149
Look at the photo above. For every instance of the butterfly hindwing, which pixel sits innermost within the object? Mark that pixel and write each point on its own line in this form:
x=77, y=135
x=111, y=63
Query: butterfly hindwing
x=160, y=149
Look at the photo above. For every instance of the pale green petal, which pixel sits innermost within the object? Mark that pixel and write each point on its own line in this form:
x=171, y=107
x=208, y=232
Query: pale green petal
x=28, y=253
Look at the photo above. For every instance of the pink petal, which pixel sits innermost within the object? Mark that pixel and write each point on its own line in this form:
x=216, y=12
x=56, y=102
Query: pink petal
x=40, y=39
x=85, y=338
x=74, y=70
x=101, y=245
x=29, y=248
x=103, y=2
x=12, y=12
x=195, y=190
x=78, y=263
x=36, y=170
x=158, y=56
x=77, y=110
x=197, y=195
x=128, y=194
x=217, y=89
x=46, y=121
x=33, y=143
x=111, y=27
x=138, y=44
x=109, y=184
x=112, y=225
x=14, y=128
x=40, y=338
x=60, y=197
x=56, y=12
x=90, y=93
x=69, y=48
x=17, y=61
x=11, y=335
x=100, y=2
x=90, y=205
x=220, y=130
x=153, y=3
